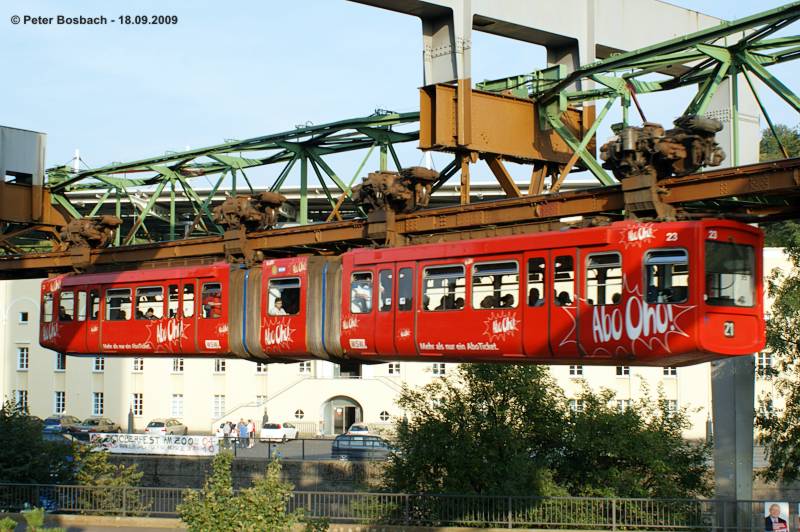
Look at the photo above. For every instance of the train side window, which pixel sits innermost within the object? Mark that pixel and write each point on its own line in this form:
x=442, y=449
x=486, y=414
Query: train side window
x=47, y=308
x=82, y=305
x=444, y=288
x=405, y=289
x=188, y=300
x=149, y=303
x=730, y=274
x=118, y=304
x=66, y=306
x=495, y=285
x=361, y=293
x=564, y=281
x=172, y=301
x=604, y=279
x=536, y=277
x=211, y=300
x=666, y=276
x=94, y=304
x=385, y=286
x=284, y=296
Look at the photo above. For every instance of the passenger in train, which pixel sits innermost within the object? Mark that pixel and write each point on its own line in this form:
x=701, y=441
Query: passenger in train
x=150, y=314
x=507, y=301
x=459, y=303
x=616, y=298
x=277, y=308
x=563, y=299
x=442, y=304
x=62, y=314
x=488, y=302
x=533, y=298
x=361, y=298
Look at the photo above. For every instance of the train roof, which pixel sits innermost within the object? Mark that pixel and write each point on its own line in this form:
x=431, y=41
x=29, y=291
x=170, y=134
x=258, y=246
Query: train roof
x=135, y=276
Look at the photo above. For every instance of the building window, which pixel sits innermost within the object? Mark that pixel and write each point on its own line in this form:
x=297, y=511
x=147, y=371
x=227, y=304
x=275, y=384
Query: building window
x=177, y=365
x=261, y=367
x=576, y=371
x=138, y=365
x=177, y=405
x=97, y=404
x=394, y=368
x=623, y=371
x=218, y=407
x=21, y=399
x=137, y=404
x=305, y=368
x=59, y=402
x=623, y=404
x=764, y=361
x=384, y=416
x=219, y=365
x=670, y=371
x=261, y=399
x=439, y=368
x=61, y=362
x=299, y=414
x=23, y=358
x=671, y=405
x=99, y=364
x=577, y=405
x=23, y=317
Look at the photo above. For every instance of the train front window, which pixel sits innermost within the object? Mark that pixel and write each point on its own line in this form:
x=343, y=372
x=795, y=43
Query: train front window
x=405, y=289
x=564, y=281
x=66, y=306
x=284, y=296
x=149, y=303
x=730, y=274
x=495, y=285
x=444, y=288
x=118, y=304
x=211, y=300
x=361, y=293
x=385, y=286
x=604, y=279
x=47, y=308
x=666, y=276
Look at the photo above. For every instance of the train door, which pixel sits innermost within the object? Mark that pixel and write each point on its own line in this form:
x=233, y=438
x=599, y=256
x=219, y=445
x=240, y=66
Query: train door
x=384, y=319
x=93, y=322
x=212, y=328
x=562, y=303
x=405, y=312
x=599, y=307
x=536, y=303
x=187, y=316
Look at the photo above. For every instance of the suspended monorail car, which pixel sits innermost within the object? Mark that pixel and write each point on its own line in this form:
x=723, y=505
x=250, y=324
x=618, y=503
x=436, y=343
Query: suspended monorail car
x=627, y=293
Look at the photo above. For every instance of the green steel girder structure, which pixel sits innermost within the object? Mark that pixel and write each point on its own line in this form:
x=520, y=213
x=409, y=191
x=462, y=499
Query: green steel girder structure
x=705, y=58
x=136, y=186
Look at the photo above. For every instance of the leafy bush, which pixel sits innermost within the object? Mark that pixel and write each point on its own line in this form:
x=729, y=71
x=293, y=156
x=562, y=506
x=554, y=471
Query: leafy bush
x=115, y=484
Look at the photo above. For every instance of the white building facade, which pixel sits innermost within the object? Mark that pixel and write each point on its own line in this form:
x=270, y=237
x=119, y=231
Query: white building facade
x=317, y=396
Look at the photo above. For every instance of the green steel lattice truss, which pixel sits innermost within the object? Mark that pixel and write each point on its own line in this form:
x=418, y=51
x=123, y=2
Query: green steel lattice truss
x=737, y=50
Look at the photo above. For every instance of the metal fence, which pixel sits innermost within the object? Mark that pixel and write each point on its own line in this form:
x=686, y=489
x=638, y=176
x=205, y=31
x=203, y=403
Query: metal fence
x=422, y=510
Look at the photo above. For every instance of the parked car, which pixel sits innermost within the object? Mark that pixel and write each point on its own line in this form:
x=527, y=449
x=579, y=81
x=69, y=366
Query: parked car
x=164, y=427
x=360, y=447
x=358, y=428
x=59, y=424
x=94, y=424
x=278, y=432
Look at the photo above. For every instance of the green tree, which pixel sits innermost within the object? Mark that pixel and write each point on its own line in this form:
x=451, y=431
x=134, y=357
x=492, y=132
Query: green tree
x=111, y=480
x=218, y=508
x=25, y=456
x=636, y=452
x=790, y=139
x=779, y=429
x=489, y=429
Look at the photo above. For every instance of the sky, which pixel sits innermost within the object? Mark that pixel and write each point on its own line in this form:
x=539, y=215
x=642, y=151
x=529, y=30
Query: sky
x=232, y=71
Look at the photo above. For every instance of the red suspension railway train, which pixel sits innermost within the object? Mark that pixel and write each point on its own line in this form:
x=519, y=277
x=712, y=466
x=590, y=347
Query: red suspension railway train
x=626, y=293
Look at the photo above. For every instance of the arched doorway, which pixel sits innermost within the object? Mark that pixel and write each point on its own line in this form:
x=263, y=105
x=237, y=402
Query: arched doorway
x=339, y=413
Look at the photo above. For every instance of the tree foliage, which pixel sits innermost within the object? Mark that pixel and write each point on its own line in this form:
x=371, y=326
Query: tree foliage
x=505, y=429
x=25, y=456
x=217, y=507
x=790, y=139
x=92, y=468
x=779, y=429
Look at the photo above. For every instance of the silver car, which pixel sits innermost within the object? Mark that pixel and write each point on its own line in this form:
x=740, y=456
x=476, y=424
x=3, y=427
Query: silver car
x=166, y=427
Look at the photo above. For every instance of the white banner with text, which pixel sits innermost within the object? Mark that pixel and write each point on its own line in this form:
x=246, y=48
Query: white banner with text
x=147, y=444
